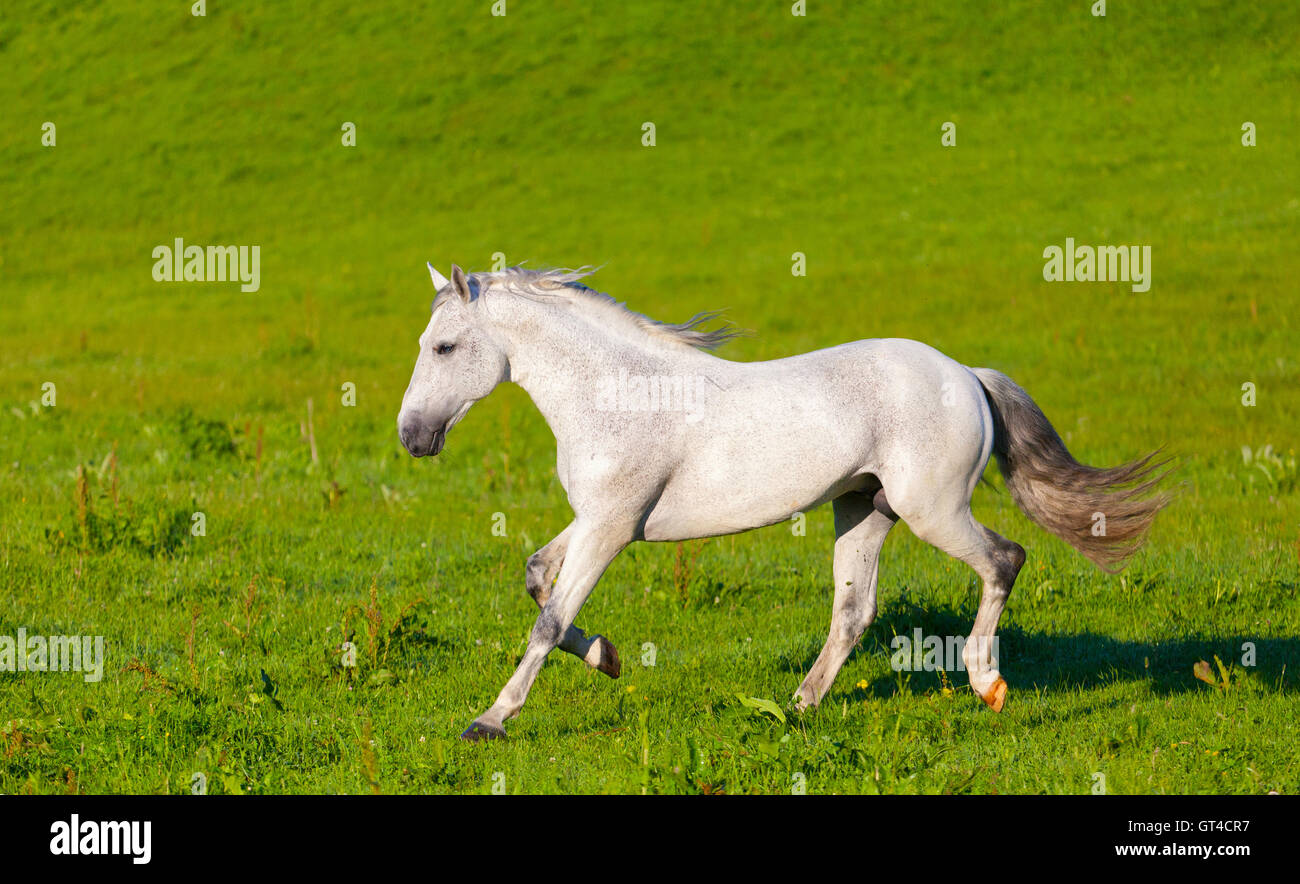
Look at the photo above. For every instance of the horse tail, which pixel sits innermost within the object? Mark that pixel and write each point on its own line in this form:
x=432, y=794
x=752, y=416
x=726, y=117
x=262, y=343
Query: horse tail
x=1103, y=513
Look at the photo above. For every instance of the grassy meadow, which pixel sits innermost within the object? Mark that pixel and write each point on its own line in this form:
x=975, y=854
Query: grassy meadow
x=522, y=135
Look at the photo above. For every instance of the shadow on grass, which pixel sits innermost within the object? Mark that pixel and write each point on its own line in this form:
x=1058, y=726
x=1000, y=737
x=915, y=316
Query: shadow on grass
x=1070, y=660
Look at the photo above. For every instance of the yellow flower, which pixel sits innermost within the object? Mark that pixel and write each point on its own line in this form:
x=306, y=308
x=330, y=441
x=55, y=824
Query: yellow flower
x=863, y=684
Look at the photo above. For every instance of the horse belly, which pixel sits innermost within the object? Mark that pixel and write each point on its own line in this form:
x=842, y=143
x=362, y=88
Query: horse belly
x=726, y=495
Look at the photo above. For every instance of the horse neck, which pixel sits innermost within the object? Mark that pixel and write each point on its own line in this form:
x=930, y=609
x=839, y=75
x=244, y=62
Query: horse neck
x=559, y=357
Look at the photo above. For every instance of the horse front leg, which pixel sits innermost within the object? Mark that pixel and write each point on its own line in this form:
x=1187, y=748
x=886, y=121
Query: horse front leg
x=591, y=548
x=539, y=576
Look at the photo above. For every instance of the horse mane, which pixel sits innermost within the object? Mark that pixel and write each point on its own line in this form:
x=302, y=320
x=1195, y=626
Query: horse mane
x=561, y=284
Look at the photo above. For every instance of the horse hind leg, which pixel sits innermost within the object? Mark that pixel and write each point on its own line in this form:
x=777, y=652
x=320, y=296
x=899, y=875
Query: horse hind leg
x=997, y=561
x=539, y=577
x=860, y=529
x=1003, y=561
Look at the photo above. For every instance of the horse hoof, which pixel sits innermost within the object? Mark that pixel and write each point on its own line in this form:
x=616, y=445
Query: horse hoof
x=996, y=696
x=609, y=662
x=478, y=731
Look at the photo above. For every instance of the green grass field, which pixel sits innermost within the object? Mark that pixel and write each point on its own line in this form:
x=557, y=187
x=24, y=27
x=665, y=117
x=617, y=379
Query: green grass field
x=522, y=135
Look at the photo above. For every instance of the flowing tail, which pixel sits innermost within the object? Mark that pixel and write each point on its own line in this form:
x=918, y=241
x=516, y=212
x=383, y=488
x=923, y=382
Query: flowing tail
x=1063, y=495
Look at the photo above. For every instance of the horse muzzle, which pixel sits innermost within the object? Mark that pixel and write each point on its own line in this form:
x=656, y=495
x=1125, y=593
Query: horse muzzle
x=419, y=441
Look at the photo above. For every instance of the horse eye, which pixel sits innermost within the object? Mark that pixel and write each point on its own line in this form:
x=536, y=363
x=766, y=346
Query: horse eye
x=444, y=349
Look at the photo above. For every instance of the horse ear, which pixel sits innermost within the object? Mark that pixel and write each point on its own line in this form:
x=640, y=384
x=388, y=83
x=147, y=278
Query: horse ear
x=439, y=281
x=459, y=283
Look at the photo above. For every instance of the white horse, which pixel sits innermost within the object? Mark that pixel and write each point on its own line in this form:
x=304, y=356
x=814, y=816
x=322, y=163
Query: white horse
x=657, y=439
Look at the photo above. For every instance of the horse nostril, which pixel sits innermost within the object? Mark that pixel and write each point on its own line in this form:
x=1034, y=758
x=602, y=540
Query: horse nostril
x=405, y=432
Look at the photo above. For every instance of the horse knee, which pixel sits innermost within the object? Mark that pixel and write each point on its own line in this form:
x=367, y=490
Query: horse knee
x=547, y=631
x=538, y=576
